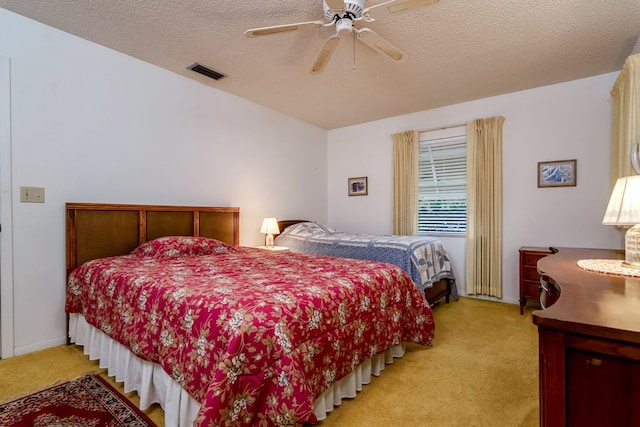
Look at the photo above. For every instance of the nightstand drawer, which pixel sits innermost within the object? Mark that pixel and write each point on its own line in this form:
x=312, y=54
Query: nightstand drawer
x=529, y=276
x=532, y=289
x=531, y=258
x=530, y=272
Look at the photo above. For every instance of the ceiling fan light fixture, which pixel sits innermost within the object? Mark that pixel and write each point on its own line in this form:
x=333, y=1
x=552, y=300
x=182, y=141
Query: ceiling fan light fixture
x=344, y=26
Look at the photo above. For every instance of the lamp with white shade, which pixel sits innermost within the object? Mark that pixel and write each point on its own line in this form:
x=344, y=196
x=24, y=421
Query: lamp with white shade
x=624, y=209
x=269, y=227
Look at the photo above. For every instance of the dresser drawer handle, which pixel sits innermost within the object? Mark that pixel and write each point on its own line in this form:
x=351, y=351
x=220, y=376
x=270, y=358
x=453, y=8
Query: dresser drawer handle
x=543, y=285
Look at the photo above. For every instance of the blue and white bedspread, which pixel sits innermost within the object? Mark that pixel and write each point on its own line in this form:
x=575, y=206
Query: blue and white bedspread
x=423, y=258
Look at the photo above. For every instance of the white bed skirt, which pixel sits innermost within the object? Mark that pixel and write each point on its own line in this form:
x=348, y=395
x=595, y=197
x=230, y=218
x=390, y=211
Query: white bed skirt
x=154, y=385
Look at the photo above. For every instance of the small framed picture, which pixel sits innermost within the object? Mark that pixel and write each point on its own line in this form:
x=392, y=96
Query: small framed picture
x=358, y=186
x=559, y=173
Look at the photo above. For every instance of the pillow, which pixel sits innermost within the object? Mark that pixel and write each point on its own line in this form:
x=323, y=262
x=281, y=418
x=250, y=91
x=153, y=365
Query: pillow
x=175, y=246
x=309, y=229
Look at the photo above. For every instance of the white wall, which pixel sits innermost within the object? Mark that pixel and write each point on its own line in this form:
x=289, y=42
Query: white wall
x=93, y=125
x=564, y=121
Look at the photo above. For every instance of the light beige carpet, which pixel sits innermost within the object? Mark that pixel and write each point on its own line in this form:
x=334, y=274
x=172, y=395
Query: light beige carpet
x=481, y=371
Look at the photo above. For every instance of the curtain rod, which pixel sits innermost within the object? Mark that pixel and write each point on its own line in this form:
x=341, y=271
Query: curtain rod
x=443, y=127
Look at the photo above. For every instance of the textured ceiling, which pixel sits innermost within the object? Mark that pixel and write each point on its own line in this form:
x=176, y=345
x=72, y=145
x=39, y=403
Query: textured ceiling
x=459, y=50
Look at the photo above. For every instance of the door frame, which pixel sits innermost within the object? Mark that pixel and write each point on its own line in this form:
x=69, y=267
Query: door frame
x=6, y=210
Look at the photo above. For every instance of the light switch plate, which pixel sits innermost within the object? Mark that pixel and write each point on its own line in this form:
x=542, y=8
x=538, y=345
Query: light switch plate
x=32, y=194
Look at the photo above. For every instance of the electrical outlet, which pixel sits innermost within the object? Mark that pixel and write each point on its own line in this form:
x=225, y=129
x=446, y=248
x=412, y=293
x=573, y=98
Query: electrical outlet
x=32, y=194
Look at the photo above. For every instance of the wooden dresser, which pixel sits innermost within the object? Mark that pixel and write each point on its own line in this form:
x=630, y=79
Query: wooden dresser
x=589, y=343
x=529, y=277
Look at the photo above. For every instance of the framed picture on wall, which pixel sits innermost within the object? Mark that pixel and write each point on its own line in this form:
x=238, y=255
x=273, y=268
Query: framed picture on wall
x=559, y=173
x=358, y=186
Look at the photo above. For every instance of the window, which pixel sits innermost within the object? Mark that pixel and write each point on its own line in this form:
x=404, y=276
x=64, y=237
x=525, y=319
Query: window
x=442, y=199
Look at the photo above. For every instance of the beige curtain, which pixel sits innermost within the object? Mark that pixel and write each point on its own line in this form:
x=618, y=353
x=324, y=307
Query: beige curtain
x=484, y=207
x=405, y=182
x=625, y=132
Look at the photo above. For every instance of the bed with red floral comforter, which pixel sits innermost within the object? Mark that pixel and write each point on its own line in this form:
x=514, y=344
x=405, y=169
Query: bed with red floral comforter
x=254, y=336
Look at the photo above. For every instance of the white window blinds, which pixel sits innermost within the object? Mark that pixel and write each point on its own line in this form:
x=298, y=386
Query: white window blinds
x=442, y=200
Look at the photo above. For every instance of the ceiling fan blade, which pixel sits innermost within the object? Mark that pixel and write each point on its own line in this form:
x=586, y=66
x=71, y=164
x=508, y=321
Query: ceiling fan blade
x=335, y=4
x=265, y=31
x=322, y=58
x=382, y=10
x=381, y=45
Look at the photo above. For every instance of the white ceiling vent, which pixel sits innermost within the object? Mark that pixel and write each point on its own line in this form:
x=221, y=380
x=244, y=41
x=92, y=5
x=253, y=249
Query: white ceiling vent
x=206, y=71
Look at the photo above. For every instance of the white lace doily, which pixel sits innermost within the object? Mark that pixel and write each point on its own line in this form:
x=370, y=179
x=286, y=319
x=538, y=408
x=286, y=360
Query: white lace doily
x=608, y=266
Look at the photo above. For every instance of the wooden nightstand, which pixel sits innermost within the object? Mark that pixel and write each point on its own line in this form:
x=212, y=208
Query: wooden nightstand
x=274, y=248
x=529, y=277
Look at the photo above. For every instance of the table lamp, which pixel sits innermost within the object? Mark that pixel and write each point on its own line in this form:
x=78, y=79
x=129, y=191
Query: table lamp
x=624, y=209
x=269, y=227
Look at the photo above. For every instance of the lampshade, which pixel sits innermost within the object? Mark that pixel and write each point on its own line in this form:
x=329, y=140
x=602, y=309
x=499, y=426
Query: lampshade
x=624, y=209
x=624, y=204
x=270, y=226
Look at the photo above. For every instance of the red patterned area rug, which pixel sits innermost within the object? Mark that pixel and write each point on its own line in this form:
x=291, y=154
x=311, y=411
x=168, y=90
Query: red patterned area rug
x=89, y=401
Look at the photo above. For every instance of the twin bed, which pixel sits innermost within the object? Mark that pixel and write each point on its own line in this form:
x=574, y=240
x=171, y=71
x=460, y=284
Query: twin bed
x=220, y=334
x=423, y=258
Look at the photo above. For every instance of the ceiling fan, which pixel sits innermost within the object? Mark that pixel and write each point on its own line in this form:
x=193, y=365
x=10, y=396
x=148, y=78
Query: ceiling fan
x=344, y=14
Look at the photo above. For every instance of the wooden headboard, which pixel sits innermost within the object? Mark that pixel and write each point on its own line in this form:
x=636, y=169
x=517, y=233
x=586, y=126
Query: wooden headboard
x=101, y=230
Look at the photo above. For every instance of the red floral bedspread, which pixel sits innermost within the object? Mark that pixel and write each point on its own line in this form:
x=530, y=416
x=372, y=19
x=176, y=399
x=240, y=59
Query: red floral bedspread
x=254, y=336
